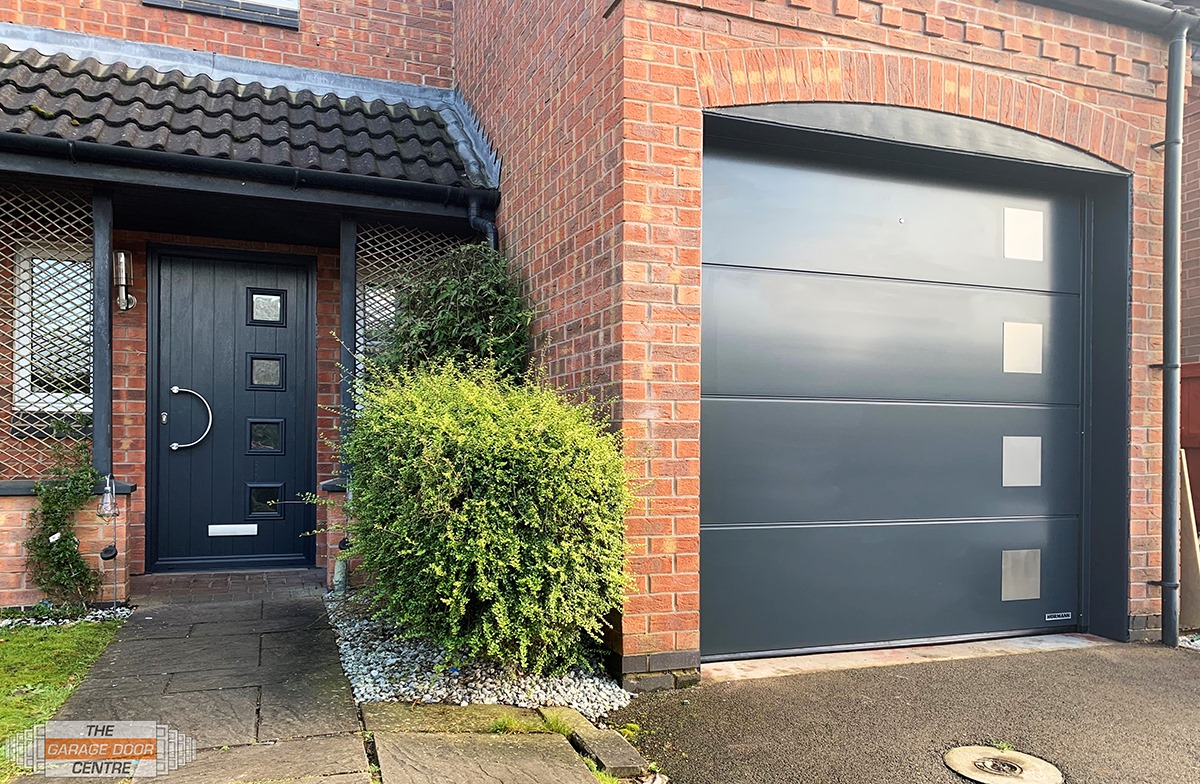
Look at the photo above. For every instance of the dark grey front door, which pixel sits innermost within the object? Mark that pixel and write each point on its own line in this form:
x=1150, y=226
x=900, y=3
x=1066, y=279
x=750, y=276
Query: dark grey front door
x=231, y=411
x=891, y=444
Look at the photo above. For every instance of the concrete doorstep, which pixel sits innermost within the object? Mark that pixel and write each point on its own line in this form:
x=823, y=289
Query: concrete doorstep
x=445, y=743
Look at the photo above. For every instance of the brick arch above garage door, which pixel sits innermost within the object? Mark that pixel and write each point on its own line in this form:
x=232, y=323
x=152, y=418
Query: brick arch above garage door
x=738, y=77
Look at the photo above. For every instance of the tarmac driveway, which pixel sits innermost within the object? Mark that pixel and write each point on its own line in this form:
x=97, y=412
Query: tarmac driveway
x=1117, y=714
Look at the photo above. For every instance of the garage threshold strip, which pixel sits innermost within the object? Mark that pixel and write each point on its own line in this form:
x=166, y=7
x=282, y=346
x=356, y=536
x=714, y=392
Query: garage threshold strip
x=751, y=669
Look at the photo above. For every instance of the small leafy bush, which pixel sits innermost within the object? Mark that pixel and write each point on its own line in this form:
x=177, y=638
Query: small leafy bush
x=488, y=514
x=54, y=562
x=468, y=308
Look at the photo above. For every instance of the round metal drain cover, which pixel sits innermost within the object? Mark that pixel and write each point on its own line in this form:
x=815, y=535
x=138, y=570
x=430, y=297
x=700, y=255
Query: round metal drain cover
x=992, y=766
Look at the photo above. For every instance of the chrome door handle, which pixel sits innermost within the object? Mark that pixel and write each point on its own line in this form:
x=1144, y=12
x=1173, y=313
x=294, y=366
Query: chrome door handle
x=176, y=445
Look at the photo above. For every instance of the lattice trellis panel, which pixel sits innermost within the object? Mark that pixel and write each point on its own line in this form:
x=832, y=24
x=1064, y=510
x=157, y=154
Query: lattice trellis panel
x=45, y=322
x=388, y=258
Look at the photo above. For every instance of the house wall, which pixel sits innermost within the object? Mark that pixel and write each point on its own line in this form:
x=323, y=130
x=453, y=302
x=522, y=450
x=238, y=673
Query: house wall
x=547, y=83
x=400, y=40
x=17, y=588
x=536, y=79
x=1089, y=84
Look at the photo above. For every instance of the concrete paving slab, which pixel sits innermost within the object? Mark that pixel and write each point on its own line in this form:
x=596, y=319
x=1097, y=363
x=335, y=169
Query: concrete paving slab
x=406, y=717
x=309, y=609
x=424, y=758
x=302, y=640
x=304, y=708
x=311, y=759
x=252, y=626
x=213, y=718
x=127, y=686
x=1105, y=714
x=147, y=627
x=607, y=747
x=288, y=670
x=751, y=669
x=201, y=612
x=177, y=655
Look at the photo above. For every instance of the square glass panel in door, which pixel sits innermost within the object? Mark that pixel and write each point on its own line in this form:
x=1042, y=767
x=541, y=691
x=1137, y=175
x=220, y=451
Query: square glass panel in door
x=264, y=436
x=266, y=307
x=263, y=500
x=265, y=371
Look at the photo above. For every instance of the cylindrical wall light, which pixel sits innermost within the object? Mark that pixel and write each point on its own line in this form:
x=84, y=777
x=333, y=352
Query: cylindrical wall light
x=123, y=278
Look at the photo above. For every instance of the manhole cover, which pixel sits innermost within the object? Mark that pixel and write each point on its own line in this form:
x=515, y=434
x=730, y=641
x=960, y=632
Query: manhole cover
x=992, y=766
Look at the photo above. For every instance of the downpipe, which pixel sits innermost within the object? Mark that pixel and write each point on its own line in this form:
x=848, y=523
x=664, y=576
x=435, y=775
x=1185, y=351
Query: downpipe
x=1177, y=65
x=481, y=224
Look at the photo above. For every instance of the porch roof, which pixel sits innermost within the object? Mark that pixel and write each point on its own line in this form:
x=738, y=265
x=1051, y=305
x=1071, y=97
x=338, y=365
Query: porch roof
x=88, y=102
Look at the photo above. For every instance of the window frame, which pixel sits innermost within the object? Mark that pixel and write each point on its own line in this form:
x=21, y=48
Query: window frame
x=24, y=398
x=264, y=12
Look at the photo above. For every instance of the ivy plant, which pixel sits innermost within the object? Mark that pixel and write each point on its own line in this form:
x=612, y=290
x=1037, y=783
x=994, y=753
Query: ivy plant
x=53, y=558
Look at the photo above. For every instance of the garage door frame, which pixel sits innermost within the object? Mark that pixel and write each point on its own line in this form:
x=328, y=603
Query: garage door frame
x=992, y=154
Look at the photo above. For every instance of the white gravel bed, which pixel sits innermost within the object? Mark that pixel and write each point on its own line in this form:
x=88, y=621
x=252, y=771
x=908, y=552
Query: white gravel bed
x=99, y=614
x=383, y=668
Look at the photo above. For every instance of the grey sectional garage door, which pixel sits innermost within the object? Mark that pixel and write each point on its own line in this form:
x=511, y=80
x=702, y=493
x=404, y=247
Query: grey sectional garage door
x=890, y=444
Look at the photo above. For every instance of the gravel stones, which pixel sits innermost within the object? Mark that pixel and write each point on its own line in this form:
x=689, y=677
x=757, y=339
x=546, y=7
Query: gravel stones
x=100, y=614
x=384, y=668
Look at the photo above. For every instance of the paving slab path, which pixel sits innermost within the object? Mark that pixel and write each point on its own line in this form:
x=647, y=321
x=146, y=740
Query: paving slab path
x=254, y=676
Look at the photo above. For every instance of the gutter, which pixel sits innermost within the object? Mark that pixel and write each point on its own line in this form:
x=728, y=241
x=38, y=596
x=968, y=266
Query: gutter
x=1145, y=15
x=1178, y=68
x=91, y=152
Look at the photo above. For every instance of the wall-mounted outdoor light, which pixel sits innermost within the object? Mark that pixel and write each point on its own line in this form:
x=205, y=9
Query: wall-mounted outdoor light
x=123, y=278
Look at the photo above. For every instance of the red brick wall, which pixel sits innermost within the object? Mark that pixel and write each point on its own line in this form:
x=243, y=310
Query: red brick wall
x=540, y=83
x=1190, y=333
x=400, y=40
x=1086, y=83
x=17, y=589
x=545, y=79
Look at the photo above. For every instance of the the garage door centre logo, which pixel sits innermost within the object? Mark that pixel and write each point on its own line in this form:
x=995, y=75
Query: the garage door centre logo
x=117, y=749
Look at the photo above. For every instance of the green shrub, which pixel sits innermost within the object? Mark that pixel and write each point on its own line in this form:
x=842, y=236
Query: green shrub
x=469, y=307
x=489, y=515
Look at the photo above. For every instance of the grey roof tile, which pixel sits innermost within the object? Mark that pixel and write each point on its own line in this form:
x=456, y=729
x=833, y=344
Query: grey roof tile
x=114, y=104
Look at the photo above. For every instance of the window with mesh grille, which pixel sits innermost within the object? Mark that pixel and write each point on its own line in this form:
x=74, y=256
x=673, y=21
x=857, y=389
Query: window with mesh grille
x=52, y=331
x=388, y=258
x=45, y=322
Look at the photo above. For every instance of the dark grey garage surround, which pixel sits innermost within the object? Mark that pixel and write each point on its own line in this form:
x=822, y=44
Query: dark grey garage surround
x=893, y=440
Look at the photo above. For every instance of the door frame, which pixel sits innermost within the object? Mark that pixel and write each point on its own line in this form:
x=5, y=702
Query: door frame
x=154, y=254
x=1106, y=196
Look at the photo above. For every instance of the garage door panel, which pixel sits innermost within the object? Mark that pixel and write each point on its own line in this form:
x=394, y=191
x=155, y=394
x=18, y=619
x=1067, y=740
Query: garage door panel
x=786, y=214
x=767, y=461
x=781, y=588
x=775, y=333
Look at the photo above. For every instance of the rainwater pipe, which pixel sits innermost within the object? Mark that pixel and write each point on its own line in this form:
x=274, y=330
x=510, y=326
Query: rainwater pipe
x=1178, y=64
x=481, y=224
x=340, y=568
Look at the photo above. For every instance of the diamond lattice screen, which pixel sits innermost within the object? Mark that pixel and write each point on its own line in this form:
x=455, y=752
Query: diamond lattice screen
x=45, y=323
x=388, y=258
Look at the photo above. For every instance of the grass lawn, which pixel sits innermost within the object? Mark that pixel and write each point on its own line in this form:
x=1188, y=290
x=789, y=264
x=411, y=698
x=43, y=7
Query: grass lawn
x=38, y=670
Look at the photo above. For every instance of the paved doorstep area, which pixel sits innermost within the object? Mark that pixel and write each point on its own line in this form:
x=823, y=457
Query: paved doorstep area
x=246, y=664
x=1111, y=714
